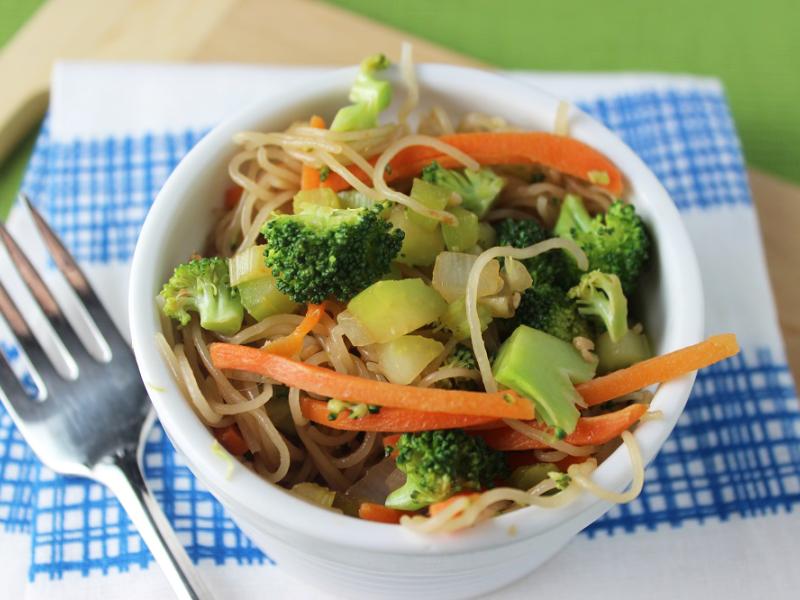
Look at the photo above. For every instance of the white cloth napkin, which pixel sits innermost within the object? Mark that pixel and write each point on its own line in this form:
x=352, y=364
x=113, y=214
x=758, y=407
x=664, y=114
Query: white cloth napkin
x=715, y=519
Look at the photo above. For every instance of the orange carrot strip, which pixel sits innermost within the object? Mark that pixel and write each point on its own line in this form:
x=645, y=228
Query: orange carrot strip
x=231, y=439
x=379, y=513
x=232, y=196
x=564, y=154
x=388, y=419
x=658, y=369
x=437, y=507
x=350, y=388
x=590, y=431
x=391, y=440
x=309, y=176
x=291, y=344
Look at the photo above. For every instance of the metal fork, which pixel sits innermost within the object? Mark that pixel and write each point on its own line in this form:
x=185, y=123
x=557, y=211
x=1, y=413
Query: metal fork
x=92, y=425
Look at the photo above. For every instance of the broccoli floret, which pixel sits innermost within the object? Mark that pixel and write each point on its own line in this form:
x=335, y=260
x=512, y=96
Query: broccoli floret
x=547, y=308
x=478, y=189
x=550, y=267
x=441, y=463
x=615, y=242
x=323, y=252
x=369, y=97
x=600, y=295
x=203, y=286
x=461, y=358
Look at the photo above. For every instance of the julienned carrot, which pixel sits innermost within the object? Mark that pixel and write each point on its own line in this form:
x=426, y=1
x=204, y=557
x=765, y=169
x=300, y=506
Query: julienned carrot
x=380, y=513
x=231, y=439
x=659, y=369
x=564, y=154
x=590, y=431
x=309, y=176
x=290, y=345
x=388, y=419
x=350, y=388
x=437, y=507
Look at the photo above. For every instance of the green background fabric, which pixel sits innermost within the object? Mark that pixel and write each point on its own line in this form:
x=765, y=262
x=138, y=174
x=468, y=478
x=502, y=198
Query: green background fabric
x=753, y=46
x=13, y=13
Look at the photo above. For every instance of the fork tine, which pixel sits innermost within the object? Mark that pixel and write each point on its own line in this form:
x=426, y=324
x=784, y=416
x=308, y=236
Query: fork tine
x=42, y=294
x=30, y=346
x=75, y=277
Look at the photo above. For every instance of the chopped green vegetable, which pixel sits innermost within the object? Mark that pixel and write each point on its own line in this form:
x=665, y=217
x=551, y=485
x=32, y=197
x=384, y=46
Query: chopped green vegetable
x=314, y=493
x=203, y=286
x=464, y=235
x=439, y=464
x=357, y=409
x=355, y=199
x=600, y=295
x=599, y=177
x=562, y=480
x=431, y=196
x=323, y=252
x=477, y=189
x=487, y=236
x=389, y=309
x=403, y=359
x=528, y=476
x=261, y=298
x=544, y=368
x=319, y=197
x=454, y=318
x=247, y=265
x=420, y=246
x=369, y=96
x=632, y=348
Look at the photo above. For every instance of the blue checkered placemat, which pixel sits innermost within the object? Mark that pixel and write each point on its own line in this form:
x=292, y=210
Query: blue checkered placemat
x=735, y=451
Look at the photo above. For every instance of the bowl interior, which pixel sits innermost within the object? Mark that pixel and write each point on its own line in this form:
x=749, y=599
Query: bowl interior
x=188, y=205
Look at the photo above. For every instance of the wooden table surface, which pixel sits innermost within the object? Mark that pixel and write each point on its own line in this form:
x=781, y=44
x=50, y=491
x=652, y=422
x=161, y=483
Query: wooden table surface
x=266, y=31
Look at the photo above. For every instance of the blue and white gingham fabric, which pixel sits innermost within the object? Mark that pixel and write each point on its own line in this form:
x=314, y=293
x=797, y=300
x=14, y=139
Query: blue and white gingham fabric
x=735, y=452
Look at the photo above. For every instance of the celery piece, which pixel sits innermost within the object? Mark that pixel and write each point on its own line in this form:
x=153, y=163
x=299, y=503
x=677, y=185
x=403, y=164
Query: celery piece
x=431, y=196
x=403, y=359
x=455, y=318
x=355, y=199
x=527, y=476
x=391, y=308
x=633, y=347
x=261, y=298
x=369, y=97
x=420, y=246
x=464, y=236
x=487, y=236
x=247, y=265
x=544, y=368
x=320, y=197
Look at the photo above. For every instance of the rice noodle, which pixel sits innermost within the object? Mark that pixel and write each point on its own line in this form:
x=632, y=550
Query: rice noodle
x=637, y=466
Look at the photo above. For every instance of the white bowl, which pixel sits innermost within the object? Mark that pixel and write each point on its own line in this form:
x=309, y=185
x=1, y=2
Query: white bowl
x=361, y=558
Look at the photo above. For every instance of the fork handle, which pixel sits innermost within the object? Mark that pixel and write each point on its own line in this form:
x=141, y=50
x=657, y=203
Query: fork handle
x=123, y=475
